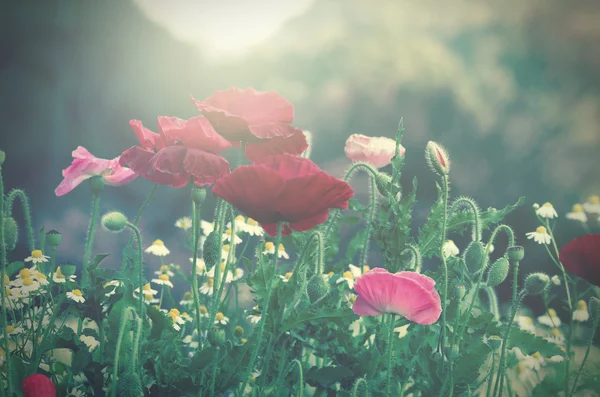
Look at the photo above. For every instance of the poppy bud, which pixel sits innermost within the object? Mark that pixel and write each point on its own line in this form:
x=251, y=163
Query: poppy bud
x=453, y=352
x=536, y=283
x=198, y=195
x=11, y=233
x=129, y=384
x=53, y=238
x=498, y=272
x=217, y=337
x=238, y=331
x=384, y=183
x=210, y=251
x=494, y=341
x=68, y=270
x=114, y=221
x=515, y=253
x=594, y=306
x=97, y=184
x=460, y=290
x=317, y=288
x=437, y=158
x=2, y=157
x=473, y=256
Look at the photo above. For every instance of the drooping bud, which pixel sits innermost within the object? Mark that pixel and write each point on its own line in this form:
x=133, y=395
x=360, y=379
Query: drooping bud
x=384, y=183
x=460, y=290
x=516, y=253
x=536, y=283
x=198, y=195
x=494, y=341
x=594, y=307
x=210, y=250
x=317, y=288
x=11, y=233
x=129, y=384
x=114, y=221
x=474, y=256
x=97, y=184
x=437, y=158
x=238, y=331
x=53, y=238
x=2, y=157
x=217, y=337
x=498, y=272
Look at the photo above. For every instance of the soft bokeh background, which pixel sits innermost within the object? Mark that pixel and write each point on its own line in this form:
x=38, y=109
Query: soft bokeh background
x=510, y=87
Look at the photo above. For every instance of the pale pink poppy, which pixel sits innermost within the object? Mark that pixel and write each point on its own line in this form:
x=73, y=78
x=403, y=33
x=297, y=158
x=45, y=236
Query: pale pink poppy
x=409, y=294
x=373, y=150
x=85, y=165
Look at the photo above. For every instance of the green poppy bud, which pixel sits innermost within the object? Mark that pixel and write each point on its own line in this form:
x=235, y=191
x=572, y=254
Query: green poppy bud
x=114, y=221
x=11, y=233
x=498, y=272
x=536, y=283
x=494, y=341
x=317, y=288
x=238, y=331
x=384, y=183
x=217, y=337
x=474, y=255
x=210, y=252
x=437, y=158
x=129, y=384
x=460, y=290
x=2, y=157
x=68, y=270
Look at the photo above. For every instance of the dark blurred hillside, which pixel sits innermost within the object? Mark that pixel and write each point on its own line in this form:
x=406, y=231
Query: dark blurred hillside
x=510, y=87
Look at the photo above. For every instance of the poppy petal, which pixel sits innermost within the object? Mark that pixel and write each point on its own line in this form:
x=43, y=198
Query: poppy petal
x=194, y=133
x=205, y=167
x=294, y=145
x=147, y=138
x=362, y=308
x=581, y=257
x=139, y=160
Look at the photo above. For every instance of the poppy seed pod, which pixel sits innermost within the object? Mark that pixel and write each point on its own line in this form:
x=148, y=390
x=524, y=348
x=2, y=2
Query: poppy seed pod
x=11, y=233
x=384, y=183
x=217, y=337
x=210, y=251
x=474, y=255
x=114, y=221
x=97, y=184
x=53, y=238
x=498, y=272
x=68, y=270
x=536, y=283
x=437, y=158
x=198, y=195
x=515, y=253
x=317, y=288
x=460, y=290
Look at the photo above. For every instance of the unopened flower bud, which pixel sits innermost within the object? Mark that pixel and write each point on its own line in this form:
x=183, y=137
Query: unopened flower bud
x=67, y=270
x=536, y=283
x=474, y=256
x=437, y=158
x=97, y=184
x=494, y=341
x=238, y=331
x=498, y=272
x=11, y=233
x=210, y=250
x=53, y=237
x=198, y=195
x=384, y=183
x=2, y=157
x=516, y=253
x=114, y=221
x=460, y=290
x=317, y=288
x=217, y=337
x=594, y=307
x=452, y=352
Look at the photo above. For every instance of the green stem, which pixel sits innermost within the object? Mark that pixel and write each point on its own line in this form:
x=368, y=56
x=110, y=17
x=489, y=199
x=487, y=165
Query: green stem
x=492, y=301
x=491, y=376
x=442, y=339
x=136, y=344
x=3, y=264
x=26, y=212
x=587, y=350
x=464, y=201
x=195, y=292
x=90, y=240
x=138, y=237
x=360, y=382
x=219, y=287
x=115, y=377
x=136, y=220
x=416, y=256
x=390, y=356
x=298, y=364
x=372, y=203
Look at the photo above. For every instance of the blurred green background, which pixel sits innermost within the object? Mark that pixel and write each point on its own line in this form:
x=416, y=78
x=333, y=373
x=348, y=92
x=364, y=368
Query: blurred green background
x=511, y=88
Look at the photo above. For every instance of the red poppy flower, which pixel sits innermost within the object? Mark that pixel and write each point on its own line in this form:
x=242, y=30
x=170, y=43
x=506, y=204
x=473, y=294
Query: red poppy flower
x=294, y=144
x=183, y=149
x=284, y=188
x=38, y=385
x=581, y=257
x=248, y=115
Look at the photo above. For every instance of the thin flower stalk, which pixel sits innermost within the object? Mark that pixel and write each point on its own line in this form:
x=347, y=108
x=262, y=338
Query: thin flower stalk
x=136, y=221
x=10, y=198
x=140, y=265
x=442, y=338
x=390, y=355
x=90, y=239
x=3, y=264
x=587, y=350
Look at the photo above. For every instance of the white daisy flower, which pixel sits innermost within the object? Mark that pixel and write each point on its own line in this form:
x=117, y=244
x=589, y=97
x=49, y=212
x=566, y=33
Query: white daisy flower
x=150, y=299
x=254, y=318
x=163, y=279
x=592, y=205
x=112, y=286
x=188, y=299
x=450, y=249
x=225, y=252
x=556, y=337
x=581, y=314
x=221, y=319
x=348, y=278
x=534, y=361
x=75, y=392
x=41, y=278
x=281, y=252
x=89, y=341
x=2, y=356
x=37, y=257
x=192, y=340
x=200, y=266
x=184, y=223
x=555, y=280
x=59, y=278
x=12, y=297
x=208, y=287
x=355, y=270
x=186, y=317
x=27, y=285
x=203, y=311
x=12, y=330
x=350, y=298
x=557, y=359
x=540, y=235
x=211, y=273
x=526, y=323
x=240, y=224
x=550, y=319
x=546, y=211
x=76, y=295
x=207, y=227
x=238, y=273
x=269, y=248
x=402, y=331
x=147, y=290
x=158, y=248
x=286, y=277
x=356, y=327
x=577, y=214
x=227, y=236
x=164, y=269
x=253, y=228
x=177, y=320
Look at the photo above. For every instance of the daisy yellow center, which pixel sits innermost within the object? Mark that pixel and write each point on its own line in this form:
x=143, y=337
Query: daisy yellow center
x=251, y=222
x=147, y=287
x=187, y=296
x=581, y=305
x=536, y=355
x=25, y=273
x=164, y=268
x=228, y=232
x=148, y=297
x=203, y=310
x=348, y=275
x=220, y=316
x=240, y=218
x=156, y=307
x=594, y=199
x=184, y=314
x=556, y=332
x=243, y=340
x=269, y=246
x=552, y=312
x=10, y=329
x=76, y=292
x=6, y=279
x=527, y=320
x=366, y=268
x=223, y=265
x=41, y=276
x=256, y=308
x=210, y=282
x=577, y=208
x=288, y=275
x=541, y=229
x=177, y=312
x=27, y=281
x=37, y=254
x=163, y=277
x=59, y=273
x=547, y=205
x=158, y=242
x=173, y=314
x=226, y=247
x=330, y=274
x=107, y=285
x=280, y=248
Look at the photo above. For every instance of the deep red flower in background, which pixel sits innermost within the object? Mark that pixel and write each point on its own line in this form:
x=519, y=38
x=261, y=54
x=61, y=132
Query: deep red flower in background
x=38, y=385
x=581, y=257
x=284, y=188
x=183, y=149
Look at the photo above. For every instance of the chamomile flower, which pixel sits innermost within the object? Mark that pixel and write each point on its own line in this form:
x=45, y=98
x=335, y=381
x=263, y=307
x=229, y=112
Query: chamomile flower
x=577, y=214
x=75, y=392
x=42, y=279
x=76, y=295
x=164, y=269
x=163, y=279
x=225, y=251
x=150, y=299
x=556, y=336
x=177, y=320
x=581, y=314
x=526, y=323
x=227, y=236
x=254, y=318
x=186, y=317
x=238, y=273
x=13, y=331
x=192, y=340
x=211, y=273
x=37, y=257
x=450, y=249
x=27, y=285
x=146, y=290
x=592, y=205
x=350, y=298
x=286, y=277
x=184, y=223
x=111, y=287
x=207, y=227
x=540, y=235
x=402, y=331
x=348, y=278
x=253, y=228
x=555, y=280
x=208, y=287
x=158, y=248
x=355, y=270
x=203, y=311
x=90, y=342
x=281, y=252
x=550, y=319
x=270, y=249
x=557, y=359
x=200, y=266
x=188, y=299
x=221, y=319
x=534, y=361
x=60, y=278
x=546, y=211
x=240, y=224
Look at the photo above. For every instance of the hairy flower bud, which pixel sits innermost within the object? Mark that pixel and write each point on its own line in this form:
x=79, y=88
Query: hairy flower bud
x=474, y=255
x=114, y=221
x=210, y=252
x=536, y=283
x=97, y=184
x=498, y=272
x=437, y=158
x=460, y=290
x=217, y=337
x=384, y=183
x=11, y=233
x=317, y=288
x=238, y=331
x=68, y=270
x=494, y=341
x=198, y=195
x=516, y=253
x=2, y=157
x=53, y=238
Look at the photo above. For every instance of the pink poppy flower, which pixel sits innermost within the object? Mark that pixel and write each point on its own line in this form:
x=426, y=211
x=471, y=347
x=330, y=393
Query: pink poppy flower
x=581, y=257
x=374, y=150
x=408, y=294
x=184, y=149
x=248, y=115
x=85, y=165
x=294, y=144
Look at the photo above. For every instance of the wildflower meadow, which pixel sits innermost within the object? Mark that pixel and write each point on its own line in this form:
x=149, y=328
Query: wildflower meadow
x=325, y=316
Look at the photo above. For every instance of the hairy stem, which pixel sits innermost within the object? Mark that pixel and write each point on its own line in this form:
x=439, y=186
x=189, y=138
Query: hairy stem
x=115, y=377
x=3, y=264
x=138, y=237
x=90, y=240
x=390, y=356
x=10, y=198
x=587, y=350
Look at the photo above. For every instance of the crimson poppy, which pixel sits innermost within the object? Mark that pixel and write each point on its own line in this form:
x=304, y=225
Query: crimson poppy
x=581, y=257
x=284, y=188
x=184, y=149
